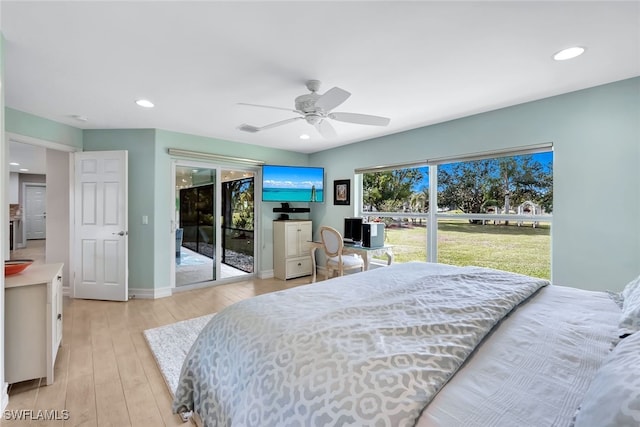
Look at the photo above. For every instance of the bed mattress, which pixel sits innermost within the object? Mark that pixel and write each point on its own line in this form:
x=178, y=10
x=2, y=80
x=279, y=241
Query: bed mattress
x=534, y=369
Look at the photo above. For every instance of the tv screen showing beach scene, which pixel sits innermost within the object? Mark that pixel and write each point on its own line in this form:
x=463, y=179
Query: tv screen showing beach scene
x=292, y=184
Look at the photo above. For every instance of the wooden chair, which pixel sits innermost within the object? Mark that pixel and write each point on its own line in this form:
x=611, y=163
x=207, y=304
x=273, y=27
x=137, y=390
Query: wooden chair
x=332, y=244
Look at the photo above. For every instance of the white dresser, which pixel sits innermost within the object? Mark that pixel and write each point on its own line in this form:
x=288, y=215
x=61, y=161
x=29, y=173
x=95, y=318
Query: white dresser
x=291, y=248
x=33, y=322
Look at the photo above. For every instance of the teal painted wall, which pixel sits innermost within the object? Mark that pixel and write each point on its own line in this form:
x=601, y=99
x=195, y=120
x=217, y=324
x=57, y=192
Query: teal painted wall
x=164, y=183
x=36, y=127
x=596, y=138
x=142, y=181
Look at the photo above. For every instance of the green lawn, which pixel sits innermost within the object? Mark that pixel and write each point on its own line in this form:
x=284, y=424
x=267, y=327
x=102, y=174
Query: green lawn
x=524, y=250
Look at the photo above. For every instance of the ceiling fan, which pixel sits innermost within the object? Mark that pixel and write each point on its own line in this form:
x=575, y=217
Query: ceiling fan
x=316, y=109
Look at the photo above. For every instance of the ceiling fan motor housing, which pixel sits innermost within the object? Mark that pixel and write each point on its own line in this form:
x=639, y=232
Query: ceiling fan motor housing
x=307, y=102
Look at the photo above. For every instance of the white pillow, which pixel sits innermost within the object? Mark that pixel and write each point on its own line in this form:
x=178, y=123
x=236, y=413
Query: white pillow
x=613, y=398
x=631, y=287
x=630, y=320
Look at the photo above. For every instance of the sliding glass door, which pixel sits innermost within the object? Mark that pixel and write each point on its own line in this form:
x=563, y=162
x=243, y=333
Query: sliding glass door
x=214, y=223
x=196, y=247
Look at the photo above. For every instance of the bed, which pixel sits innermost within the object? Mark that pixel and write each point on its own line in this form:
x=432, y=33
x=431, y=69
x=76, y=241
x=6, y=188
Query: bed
x=416, y=344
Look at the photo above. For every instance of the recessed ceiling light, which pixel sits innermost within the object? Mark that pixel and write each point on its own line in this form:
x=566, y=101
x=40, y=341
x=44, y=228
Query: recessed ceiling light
x=14, y=164
x=145, y=103
x=568, y=53
x=304, y=136
x=24, y=170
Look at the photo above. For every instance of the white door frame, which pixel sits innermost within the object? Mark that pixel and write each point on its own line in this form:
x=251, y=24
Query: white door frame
x=218, y=212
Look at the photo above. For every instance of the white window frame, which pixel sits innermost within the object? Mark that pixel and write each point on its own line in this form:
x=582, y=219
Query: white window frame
x=433, y=215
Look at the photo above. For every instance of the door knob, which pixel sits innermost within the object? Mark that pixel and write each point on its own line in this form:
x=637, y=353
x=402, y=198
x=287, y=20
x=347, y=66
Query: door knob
x=121, y=233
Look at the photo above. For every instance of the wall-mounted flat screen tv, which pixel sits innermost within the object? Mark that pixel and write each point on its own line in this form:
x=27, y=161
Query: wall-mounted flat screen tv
x=292, y=184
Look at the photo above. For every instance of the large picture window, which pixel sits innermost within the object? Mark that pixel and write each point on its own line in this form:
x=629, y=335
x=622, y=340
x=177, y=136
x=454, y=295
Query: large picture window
x=491, y=211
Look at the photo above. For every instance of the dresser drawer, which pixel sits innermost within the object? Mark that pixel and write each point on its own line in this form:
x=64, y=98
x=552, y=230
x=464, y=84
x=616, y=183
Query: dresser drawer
x=298, y=267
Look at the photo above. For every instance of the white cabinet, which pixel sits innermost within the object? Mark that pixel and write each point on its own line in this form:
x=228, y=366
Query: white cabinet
x=33, y=322
x=291, y=249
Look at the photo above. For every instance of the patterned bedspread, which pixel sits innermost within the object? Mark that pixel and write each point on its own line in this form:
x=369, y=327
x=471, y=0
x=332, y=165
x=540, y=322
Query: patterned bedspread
x=372, y=348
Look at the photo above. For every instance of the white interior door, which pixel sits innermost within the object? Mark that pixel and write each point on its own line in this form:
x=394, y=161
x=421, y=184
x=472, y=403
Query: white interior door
x=35, y=211
x=101, y=236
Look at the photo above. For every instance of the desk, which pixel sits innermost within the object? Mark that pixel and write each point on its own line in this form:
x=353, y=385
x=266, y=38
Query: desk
x=365, y=253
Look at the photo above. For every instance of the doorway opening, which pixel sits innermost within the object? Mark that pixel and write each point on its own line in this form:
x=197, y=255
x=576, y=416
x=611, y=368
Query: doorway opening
x=27, y=200
x=47, y=164
x=214, y=217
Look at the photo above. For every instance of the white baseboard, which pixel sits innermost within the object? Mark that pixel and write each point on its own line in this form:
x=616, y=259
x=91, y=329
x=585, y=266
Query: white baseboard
x=5, y=396
x=266, y=274
x=146, y=293
x=139, y=293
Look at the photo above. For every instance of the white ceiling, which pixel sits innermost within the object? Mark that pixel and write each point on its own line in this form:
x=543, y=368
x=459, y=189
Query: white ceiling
x=29, y=158
x=416, y=62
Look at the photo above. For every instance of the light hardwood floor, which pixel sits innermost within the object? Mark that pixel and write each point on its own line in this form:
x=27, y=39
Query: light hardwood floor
x=105, y=374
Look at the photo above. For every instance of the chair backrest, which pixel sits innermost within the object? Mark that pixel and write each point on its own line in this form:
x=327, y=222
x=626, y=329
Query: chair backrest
x=331, y=240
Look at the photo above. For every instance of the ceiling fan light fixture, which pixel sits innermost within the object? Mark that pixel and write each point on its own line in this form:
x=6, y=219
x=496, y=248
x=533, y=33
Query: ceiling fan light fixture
x=313, y=118
x=145, y=103
x=568, y=53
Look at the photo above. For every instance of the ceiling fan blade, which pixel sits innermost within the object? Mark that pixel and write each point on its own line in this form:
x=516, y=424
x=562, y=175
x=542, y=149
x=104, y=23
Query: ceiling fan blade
x=332, y=98
x=248, y=128
x=326, y=130
x=253, y=129
x=362, y=119
x=269, y=106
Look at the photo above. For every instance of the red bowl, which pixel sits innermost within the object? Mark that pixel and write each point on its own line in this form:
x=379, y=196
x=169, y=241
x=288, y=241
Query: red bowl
x=16, y=266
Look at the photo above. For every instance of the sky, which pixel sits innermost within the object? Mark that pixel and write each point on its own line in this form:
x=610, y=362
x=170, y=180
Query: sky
x=545, y=159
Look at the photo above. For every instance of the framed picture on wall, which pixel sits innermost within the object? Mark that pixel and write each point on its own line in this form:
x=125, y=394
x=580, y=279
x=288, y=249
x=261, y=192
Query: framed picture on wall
x=341, y=192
